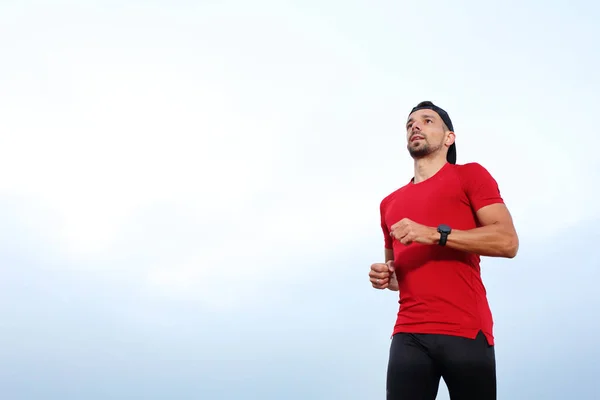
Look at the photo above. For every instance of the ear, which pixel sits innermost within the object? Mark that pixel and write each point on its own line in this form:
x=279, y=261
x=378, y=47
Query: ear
x=450, y=138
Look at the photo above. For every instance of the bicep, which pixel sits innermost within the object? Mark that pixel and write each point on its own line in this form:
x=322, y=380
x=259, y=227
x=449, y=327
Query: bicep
x=495, y=214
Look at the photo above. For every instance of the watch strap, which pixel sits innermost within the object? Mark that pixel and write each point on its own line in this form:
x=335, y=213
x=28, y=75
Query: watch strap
x=444, y=231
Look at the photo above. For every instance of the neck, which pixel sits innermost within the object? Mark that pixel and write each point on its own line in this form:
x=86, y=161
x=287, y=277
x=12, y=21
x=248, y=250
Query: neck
x=426, y=167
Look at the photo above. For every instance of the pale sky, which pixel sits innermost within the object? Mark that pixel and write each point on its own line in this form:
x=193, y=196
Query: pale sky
x=189, y=202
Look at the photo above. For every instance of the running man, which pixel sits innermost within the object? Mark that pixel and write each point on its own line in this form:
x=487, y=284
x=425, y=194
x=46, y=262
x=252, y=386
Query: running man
x=436, y=227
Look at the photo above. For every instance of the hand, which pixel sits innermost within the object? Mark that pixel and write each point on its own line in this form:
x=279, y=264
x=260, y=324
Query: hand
x=382, y=275
x=407, y=231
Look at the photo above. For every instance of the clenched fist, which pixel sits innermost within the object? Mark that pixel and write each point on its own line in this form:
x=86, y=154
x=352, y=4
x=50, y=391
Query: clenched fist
x=383, y=276
x=407, y=231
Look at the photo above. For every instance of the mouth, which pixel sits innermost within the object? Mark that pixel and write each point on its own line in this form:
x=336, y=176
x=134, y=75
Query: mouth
x=416, y=137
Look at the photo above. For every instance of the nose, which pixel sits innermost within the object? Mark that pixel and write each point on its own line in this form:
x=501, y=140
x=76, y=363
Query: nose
x=415, y=127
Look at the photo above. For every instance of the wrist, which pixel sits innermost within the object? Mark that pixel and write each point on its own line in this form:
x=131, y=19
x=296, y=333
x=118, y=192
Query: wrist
x=393, y=285
x=434, y=236
x=443, y=232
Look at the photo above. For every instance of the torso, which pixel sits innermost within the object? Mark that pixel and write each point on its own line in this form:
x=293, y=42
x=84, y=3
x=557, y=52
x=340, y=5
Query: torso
x=441, y=290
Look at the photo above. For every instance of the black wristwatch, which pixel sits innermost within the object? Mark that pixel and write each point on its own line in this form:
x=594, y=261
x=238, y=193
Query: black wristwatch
x=444, y=231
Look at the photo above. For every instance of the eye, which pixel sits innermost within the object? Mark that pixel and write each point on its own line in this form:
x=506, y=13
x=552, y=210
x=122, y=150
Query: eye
x=428, y=120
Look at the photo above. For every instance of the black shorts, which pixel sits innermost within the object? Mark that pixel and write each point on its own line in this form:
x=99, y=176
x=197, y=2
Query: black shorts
x=418, y=361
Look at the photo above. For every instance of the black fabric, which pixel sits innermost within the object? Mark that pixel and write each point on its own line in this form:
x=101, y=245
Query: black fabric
x=428, y=105
x=417, y=362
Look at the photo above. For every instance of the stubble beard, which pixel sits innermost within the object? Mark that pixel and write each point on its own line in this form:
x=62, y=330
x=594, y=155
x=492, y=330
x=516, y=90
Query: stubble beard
x=421, y=151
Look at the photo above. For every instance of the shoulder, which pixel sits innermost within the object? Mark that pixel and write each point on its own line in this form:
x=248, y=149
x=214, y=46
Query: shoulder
x=473, y=173
x=472, y=169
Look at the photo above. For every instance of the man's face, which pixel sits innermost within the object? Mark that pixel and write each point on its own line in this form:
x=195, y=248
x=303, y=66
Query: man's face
x=425, y=133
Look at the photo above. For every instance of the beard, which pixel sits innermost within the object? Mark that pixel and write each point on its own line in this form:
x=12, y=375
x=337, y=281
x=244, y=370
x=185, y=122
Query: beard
x=422, y=150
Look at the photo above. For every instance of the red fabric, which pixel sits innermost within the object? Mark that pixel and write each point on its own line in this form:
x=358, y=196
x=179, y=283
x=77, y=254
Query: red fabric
x=441, y=290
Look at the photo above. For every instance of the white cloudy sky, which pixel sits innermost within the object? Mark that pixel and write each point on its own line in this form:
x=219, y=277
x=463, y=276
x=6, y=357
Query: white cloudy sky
x=190, y=190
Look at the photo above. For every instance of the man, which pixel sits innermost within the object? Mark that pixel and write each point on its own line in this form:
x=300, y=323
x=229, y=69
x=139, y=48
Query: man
x=436, y=227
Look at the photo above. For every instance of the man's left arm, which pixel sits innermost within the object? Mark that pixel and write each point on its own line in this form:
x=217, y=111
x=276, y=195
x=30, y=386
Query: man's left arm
x=496, y=237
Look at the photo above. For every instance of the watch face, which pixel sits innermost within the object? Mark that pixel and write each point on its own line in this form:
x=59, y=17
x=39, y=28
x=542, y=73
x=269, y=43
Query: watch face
x=444, y=228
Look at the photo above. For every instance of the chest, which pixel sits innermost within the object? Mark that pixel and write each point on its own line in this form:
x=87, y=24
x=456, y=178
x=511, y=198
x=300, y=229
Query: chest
x=432, y=203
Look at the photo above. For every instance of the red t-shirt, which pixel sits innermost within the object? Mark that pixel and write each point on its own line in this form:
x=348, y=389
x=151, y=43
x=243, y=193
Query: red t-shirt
x=441, y=290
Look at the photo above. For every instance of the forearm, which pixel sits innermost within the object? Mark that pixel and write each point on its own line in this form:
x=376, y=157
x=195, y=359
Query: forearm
x=393, y=283
x=389, y=255
x=495, y=240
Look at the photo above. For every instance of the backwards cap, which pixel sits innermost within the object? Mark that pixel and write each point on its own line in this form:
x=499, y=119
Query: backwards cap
x=428, y=105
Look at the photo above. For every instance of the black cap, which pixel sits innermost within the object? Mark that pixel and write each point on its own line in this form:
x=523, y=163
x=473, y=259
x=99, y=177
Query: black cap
x=428, y=105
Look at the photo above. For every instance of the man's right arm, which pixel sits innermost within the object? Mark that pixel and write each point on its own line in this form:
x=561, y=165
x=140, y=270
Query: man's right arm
x=389, y=255
x=389, y=259
x=388, y=246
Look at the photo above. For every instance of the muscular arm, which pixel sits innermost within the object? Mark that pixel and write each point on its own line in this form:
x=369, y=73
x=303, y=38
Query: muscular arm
x=496, y=237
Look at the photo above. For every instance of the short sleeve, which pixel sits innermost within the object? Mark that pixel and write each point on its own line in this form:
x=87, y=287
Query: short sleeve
x=386, y=232
x=479, y=185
